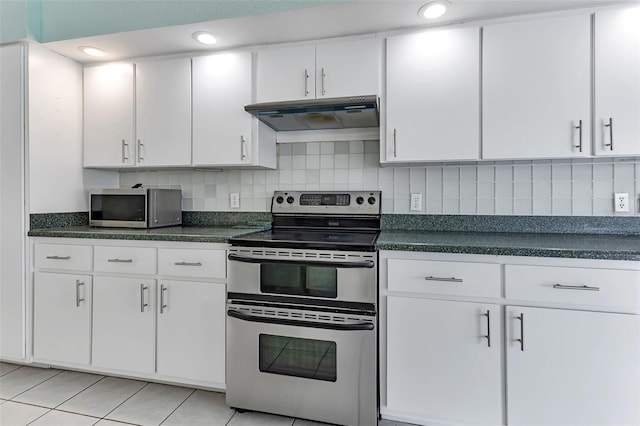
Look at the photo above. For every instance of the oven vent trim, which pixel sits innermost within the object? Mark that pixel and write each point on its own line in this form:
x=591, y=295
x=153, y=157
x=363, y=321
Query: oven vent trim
x=308, y=316
x=303, y=254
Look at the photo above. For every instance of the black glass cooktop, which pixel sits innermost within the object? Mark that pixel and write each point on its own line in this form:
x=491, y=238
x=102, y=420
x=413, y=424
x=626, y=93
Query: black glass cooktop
x=310, y=239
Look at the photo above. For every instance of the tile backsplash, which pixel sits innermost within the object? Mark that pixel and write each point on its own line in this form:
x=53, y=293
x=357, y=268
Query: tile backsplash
x=578, y=187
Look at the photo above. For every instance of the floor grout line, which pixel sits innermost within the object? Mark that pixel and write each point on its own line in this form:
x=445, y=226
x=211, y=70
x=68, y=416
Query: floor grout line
x=132, y=395
x=179, y=405
x=78, y=393
x=38, y=384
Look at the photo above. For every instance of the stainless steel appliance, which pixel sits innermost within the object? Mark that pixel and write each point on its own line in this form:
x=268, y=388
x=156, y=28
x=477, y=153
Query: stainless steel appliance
x=302, y=310
x=318, y=114
x=135, y=207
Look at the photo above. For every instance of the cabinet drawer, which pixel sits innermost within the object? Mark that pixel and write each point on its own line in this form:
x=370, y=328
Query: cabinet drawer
x=130, y=260
x=607, y=288
x=450, y=278
x=192, y=263
x=63, y=256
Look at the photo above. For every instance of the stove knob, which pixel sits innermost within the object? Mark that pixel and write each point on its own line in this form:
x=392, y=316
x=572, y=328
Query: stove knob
x=279, y=200
x=359, y=200
x=371, y=200
x=290, y=199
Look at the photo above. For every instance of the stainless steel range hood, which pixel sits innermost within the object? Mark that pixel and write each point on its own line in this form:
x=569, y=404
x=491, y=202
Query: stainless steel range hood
x=318, y=114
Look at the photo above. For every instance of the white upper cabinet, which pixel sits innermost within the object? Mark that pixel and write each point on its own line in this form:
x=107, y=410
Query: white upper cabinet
x=617, y=82
x=163, y=112
x=221, y=126
x=536, y=88
x=138, y=114
x=109, y=133
x=348, y=68
x=333, y=69
x=433, y=96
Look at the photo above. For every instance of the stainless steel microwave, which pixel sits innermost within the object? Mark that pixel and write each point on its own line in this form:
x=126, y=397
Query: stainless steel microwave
x=135, y=207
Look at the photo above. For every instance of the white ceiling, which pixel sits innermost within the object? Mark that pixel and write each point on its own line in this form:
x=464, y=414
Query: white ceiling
x=350, y=18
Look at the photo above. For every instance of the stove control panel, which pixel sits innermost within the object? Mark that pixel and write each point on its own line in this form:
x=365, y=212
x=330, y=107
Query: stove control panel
x=327, y=202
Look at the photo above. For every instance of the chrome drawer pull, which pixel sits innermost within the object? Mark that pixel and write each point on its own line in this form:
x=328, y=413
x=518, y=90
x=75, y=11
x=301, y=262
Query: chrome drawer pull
x=59, y=257
x=120, y=260
x=449, y=280
x=610, y=126
x=575, y=287
x=188, y=263
x=163, y=305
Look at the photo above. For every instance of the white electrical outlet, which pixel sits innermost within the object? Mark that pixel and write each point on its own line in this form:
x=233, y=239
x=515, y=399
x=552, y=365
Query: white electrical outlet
x=416, y=202
x=234, y=200
x=621, y=202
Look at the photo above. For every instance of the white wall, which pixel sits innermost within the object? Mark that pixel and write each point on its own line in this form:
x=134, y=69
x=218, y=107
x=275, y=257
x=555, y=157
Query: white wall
x=57, y=181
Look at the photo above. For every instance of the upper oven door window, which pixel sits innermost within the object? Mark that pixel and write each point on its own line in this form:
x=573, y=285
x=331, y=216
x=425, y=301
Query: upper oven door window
x=299, y=280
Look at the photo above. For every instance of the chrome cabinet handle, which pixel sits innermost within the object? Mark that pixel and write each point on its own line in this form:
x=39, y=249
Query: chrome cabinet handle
x=395, y=152
x=488, y=335
x=125, y=151
x=322, y=80
x=59, y=257
x=579, y=128
x=575, y=287
x=140, y=145
x=521, y=339
x=610, y=126
x=78, y=299
x=243, y=154
x=143, y=288
x=188, y=263
x=450, y=280
x=306, y=83
x=162, y=304
x=120, y=260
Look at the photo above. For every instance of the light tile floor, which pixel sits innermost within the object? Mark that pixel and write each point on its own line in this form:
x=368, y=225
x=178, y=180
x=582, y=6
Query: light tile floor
x=50, y=397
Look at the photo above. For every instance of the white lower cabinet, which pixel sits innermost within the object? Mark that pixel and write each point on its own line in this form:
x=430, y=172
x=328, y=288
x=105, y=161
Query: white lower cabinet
x=444, y=360
x=148, y=309
x=191, y=330
x=124, y=324
x=565, y=340
x=568, y=367
x=62, y=318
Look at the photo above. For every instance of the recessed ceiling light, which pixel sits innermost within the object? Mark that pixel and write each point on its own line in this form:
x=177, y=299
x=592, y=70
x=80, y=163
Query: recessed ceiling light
x=92, y=51
x=204, y=37
x=434, y=9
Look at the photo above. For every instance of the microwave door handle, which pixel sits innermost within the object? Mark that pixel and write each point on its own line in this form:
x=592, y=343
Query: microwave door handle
x=308, y=324
x=335, y=264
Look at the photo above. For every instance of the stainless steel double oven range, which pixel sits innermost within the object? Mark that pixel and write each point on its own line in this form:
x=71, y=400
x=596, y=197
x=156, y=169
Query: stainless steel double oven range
x=302, y=310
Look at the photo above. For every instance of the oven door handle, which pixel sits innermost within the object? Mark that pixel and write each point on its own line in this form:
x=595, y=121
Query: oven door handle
x=363, y=264
x=296, y=323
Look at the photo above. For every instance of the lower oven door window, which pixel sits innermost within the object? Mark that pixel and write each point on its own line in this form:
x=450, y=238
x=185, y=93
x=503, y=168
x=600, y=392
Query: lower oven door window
x=299, y=280
x=297, y=357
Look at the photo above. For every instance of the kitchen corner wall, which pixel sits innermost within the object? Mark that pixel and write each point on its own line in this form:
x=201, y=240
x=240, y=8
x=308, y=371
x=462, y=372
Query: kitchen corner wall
x=579, y=187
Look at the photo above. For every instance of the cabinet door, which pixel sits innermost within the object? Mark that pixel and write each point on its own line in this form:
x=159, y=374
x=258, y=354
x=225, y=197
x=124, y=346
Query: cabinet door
x=536, y=88
x=109, y=138
x=191, y=330
x=124, y=324
x=221, y=126
x=617, y=82
x=62, y=318
x=439, y=362
x=350, y=68
x=572, y=368
x=433, y=96
x=163, y=112
x=12, y=234
x=286, y=74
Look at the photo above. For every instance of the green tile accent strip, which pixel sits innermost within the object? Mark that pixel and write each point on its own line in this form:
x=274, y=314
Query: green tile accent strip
x=58, y=220
x=628, y=225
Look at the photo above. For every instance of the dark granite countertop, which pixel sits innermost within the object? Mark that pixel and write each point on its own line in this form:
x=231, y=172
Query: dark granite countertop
x=586, y=246
x=205, y=234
